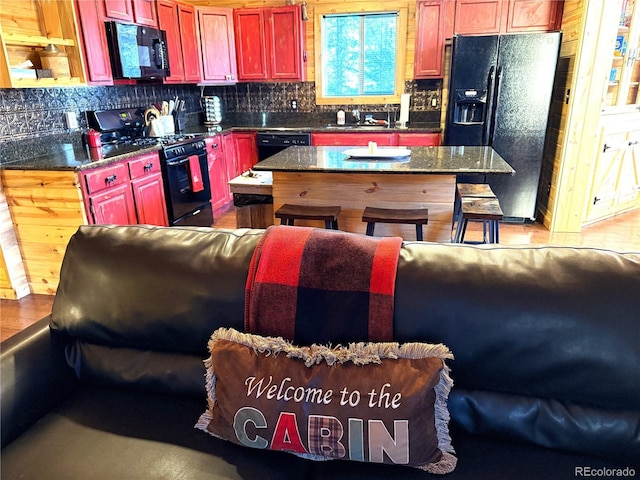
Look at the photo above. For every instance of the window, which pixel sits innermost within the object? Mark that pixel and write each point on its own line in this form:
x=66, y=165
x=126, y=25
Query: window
x=359, y=56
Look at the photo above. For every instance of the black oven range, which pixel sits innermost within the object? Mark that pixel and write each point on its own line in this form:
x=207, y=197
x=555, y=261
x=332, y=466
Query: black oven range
x=183, y=162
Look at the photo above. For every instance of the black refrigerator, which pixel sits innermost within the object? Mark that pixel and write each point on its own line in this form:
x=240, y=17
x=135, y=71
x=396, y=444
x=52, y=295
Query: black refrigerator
x=499, y=95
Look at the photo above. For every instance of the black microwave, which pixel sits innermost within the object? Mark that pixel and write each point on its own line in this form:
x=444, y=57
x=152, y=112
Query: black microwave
x=137, y=52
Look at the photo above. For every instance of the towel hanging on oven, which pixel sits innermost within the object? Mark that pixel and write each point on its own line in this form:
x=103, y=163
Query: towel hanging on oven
x=195, y=174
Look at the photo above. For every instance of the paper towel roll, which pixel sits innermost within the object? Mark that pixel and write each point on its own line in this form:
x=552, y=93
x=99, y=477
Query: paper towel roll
x=404, y=109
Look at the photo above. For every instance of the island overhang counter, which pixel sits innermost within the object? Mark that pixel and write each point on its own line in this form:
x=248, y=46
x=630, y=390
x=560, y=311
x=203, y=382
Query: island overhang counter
x=424, y=179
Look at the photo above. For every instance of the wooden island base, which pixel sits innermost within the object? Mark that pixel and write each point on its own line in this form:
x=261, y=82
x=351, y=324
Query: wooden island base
x=355, y=191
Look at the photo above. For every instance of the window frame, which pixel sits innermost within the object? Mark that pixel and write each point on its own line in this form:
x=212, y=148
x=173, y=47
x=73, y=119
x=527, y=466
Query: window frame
x=401, y=48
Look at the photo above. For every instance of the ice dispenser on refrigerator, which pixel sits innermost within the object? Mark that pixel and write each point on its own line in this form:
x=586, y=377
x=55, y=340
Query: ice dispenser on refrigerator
x=470, y=106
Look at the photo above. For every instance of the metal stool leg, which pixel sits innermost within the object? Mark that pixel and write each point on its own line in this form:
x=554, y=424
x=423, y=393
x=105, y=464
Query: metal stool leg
x=370, y=228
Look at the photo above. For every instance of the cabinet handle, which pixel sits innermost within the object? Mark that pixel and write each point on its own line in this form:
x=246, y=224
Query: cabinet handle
x=596, y=200
x=148, y=167
x=635, y=142
x=606, y=147
x=110, y=179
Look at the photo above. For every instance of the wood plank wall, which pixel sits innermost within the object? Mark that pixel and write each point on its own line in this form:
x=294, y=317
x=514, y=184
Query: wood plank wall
x=46, y=208
x=411, y=23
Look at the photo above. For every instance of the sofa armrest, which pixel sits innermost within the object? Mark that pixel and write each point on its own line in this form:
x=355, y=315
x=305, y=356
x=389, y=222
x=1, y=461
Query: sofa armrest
x=34, y=376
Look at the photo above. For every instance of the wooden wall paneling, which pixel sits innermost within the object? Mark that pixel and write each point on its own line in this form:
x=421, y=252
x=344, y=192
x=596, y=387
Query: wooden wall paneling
x=13, y=278
x=47, y=209
x=574, y=161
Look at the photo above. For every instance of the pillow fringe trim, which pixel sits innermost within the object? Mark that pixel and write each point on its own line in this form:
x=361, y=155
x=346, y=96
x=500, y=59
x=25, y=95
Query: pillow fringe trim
x=360, y=353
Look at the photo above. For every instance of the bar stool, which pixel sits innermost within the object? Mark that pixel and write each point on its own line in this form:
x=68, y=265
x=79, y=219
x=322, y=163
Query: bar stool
x=415, y=216
x=486, y=210
x=288, y=213
x=477, y=190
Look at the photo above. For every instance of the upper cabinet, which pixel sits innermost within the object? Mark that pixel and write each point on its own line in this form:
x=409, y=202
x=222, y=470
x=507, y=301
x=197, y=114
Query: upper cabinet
x=179, y=22
x=217, y=45
x=94, y=42
x=507, y=16
x=434, y=24
x=26, y=29
x=624, y=77
x=142, y=12
x=270, y=43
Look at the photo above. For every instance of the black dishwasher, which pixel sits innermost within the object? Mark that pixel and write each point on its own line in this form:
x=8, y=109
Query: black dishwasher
x=270, y=143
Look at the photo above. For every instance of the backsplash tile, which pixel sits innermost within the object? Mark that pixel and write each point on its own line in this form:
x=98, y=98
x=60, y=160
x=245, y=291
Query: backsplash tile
x=33, y=112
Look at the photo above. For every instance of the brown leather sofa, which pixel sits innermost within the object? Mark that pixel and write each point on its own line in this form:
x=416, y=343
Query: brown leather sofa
x=546, y=371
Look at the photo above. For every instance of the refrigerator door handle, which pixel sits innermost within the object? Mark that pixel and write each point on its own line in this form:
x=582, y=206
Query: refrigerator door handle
x=487, y=115
x=496, y=104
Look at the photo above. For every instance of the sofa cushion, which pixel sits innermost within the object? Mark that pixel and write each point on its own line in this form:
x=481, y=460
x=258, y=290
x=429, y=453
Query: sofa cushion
x=369, y=402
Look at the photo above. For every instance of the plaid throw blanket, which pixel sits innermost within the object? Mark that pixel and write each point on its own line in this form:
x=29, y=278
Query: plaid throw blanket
x=312, y=285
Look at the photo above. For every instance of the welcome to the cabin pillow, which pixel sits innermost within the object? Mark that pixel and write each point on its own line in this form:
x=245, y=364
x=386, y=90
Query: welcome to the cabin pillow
x=370, y=402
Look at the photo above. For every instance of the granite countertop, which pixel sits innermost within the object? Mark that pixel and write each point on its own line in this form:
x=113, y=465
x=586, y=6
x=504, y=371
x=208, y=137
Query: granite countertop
x=423, y=160
x=69, y=152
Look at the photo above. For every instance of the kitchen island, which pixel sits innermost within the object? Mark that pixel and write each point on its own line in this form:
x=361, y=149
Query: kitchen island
x=424, y=179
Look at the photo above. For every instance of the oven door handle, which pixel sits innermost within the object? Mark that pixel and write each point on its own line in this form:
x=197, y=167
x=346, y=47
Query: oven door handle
x=177, y=162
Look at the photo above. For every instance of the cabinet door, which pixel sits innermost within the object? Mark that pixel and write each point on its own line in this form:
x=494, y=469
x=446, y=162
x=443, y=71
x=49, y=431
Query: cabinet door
x=148, y=195
x=352, y=139
x=248, y=24
x=285, y=36
x=114, y=206
x=534, y=15
x=118, y=9
x=189, y=37
x=431, y=19
x=218, y=175
x=229, y=149
x=168, y=21
x=246, y=150
x=478, y=16
x=144, y=12
x=217, y=44
x=94, y=43
x=418, y=139
x=629, y=182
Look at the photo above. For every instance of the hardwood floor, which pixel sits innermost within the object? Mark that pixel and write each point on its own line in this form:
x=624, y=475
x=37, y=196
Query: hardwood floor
x=621, y=233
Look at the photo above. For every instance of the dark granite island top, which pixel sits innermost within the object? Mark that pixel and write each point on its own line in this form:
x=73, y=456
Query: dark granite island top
x=423, y=160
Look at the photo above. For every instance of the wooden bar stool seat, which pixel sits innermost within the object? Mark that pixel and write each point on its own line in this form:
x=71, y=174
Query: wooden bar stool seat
x=415, y=216
x=487, y=210
x=464, y=190
x=288, y=213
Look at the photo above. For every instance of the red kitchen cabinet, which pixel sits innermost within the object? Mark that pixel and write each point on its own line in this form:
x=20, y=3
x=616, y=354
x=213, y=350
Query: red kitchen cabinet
x=218, y=174
x=251, y=54
x=148, y=190
x=530, y=15
x=478, y=16
x=179, y=21
x=126, y=193
x=189, y=36
x=217, y=43
x=351, y=139
x=285, y=37
x=418, y=139
x=94, y=43
x=229, y=155
x=433, y=26
x=507, y=16
x=144, y=12
x=246, y=150
x=108, y=195
x=118, y=9
x=168, y=21
x=270, y=43
x=114, y=206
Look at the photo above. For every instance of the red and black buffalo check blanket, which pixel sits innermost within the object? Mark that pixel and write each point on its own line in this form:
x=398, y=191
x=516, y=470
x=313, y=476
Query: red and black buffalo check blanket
x=321, y=286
